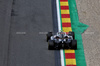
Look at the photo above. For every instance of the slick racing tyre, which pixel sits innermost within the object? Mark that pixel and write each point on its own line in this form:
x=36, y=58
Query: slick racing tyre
x=50, y=45
x=49, y=35
x=74, y=44
x=72, y=34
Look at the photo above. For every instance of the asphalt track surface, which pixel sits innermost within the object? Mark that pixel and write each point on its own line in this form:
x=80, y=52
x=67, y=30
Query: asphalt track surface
x=24, y=43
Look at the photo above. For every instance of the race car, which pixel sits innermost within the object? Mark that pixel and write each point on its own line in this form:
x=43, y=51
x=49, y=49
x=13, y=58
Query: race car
x=61, y=40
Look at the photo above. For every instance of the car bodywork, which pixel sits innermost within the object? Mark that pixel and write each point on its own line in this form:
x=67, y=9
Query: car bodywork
x=61, y=40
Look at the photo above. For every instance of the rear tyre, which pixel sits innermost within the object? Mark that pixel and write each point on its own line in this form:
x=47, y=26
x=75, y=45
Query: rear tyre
x=49, y=35
x=74, y=44
x=72, y=34
x=50, y=45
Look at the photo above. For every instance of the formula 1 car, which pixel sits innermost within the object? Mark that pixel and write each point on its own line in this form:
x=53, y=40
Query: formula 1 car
x=61, y=41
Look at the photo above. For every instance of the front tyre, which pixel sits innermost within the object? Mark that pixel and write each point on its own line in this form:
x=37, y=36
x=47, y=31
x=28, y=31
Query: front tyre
x=50, y=45
x=49, y=35
x=72, y=34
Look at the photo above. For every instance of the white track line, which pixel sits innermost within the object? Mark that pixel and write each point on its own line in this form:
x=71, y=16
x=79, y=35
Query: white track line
x=59, y=29
x=62, y=57
x=58, y=15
